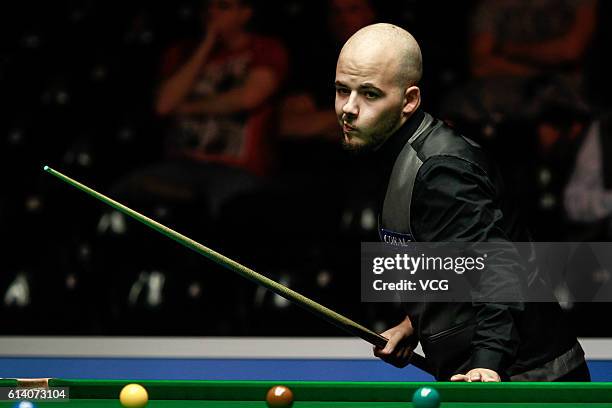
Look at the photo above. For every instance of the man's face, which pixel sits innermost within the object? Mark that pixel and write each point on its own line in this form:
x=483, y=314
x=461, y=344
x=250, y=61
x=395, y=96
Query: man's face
x=369, y=100
x=227, y=15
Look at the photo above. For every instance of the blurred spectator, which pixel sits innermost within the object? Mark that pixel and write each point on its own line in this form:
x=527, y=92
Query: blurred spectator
x=218, y=93
x=308, y=110
x=519, y=51
x=526, y=97
x=588, y=195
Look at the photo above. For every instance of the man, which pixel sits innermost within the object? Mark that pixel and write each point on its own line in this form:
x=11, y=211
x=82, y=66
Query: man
x=220, y=94
x=448, y=191
x=523, y=54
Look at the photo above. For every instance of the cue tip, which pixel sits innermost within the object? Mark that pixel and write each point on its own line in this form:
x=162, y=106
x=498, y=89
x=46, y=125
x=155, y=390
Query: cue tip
x=46, y=168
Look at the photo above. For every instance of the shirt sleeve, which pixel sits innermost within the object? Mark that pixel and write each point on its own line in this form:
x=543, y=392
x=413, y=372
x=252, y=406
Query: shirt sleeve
x=455, y=201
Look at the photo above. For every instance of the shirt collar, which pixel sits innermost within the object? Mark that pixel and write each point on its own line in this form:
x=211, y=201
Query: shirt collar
x=388, y=152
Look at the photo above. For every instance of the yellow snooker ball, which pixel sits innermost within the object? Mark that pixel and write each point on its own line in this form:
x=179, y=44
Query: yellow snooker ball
x=133, y=396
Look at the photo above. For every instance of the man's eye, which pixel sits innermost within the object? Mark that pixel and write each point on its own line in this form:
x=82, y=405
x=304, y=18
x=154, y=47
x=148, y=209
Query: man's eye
x=371, y=95
x=342, y=91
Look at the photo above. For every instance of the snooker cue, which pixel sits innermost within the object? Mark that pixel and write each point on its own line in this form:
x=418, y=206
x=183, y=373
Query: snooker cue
x=296, y=298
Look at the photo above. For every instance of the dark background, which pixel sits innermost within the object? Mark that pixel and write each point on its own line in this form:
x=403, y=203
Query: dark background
x=77, y=81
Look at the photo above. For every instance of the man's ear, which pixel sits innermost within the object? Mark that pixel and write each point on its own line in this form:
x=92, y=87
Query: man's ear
x=412, y=100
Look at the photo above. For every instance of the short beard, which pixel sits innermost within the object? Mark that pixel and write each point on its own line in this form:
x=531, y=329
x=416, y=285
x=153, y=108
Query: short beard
x=358, y=150
x=363, y=149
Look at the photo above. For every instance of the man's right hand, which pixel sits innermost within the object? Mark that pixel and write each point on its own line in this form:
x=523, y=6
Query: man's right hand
x=175, y=89
x=398, y=350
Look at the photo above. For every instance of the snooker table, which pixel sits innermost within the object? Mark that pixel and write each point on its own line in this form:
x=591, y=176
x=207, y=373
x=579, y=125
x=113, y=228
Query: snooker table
x=251, y=394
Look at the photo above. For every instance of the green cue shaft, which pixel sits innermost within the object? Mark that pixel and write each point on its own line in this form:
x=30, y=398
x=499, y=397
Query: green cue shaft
x=335, y=318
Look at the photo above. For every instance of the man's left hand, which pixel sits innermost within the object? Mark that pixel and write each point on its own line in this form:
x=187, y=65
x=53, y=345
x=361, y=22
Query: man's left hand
x=477, y=375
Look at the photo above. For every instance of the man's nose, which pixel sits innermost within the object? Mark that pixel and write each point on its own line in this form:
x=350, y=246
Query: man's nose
x=351, y=108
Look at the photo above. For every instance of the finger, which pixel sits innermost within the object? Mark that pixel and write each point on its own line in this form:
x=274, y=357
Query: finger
x=492, y=378
x=459, y=377
x=475, y=376
x=387, y=334
x=379, y=352
x=391, y=344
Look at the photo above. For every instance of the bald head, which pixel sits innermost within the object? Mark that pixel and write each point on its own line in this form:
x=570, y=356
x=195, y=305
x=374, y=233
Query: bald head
x=392, y=47
x=377, y=74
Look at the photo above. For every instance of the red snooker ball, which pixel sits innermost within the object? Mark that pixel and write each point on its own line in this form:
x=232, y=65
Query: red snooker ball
x=279, y=396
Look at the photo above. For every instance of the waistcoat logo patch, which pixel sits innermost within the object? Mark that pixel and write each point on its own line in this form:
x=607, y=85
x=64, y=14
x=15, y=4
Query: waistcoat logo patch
x=395, y=238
